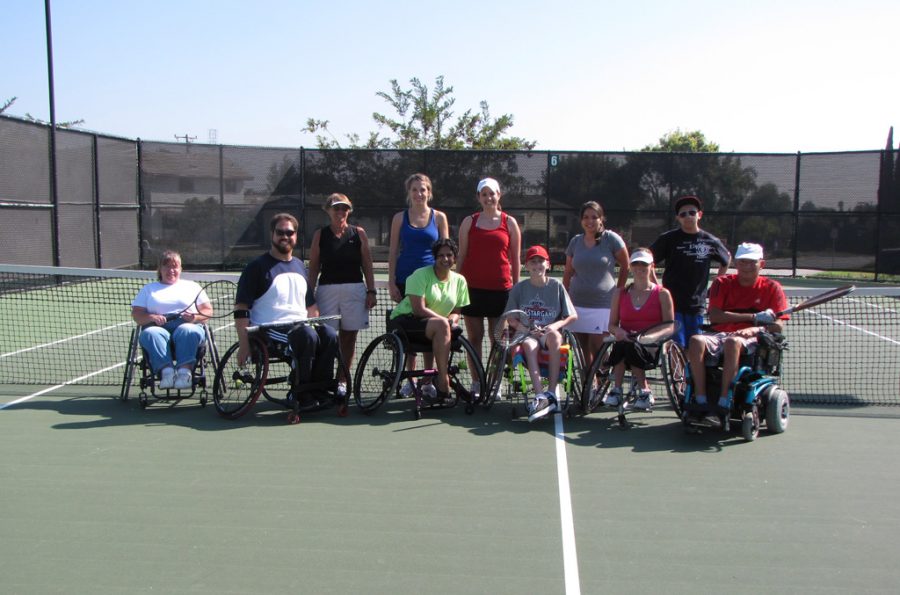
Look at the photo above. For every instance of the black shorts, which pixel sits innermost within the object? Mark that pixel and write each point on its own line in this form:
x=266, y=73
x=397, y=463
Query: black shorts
x=412, y=326
x=635, y=355
x=486, y=303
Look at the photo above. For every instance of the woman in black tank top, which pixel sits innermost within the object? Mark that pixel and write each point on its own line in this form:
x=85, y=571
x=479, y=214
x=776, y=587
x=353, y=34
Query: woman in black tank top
x=340, y=272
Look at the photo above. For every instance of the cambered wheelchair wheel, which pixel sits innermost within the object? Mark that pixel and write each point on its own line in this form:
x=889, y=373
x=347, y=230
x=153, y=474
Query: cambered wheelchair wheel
x=236, y=388
x=378, y=372
x=130, y=364
x=496, y=366
x=673, y=365
x=462, y=376
x=575, y=384
x=597, y=380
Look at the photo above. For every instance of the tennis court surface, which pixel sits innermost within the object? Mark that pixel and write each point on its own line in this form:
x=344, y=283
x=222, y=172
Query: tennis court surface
x=101, y=496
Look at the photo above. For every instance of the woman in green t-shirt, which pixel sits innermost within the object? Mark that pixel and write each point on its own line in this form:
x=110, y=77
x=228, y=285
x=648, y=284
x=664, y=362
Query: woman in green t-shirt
x=434, y=297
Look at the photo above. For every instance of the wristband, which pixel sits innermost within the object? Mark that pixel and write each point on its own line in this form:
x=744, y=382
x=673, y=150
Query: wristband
x=238, y=314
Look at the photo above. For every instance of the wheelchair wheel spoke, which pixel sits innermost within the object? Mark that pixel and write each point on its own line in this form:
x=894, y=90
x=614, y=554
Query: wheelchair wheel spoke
x=236, y=388
x=378, y=372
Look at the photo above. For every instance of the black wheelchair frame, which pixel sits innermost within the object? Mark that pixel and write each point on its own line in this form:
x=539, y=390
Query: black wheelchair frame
x=237, y=387
x=671, y=361
x=207, y=354
x=382, y=370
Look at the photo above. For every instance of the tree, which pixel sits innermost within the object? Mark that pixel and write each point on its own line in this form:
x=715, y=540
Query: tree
x=425, y=120
x=9, y=102
x=677, y=141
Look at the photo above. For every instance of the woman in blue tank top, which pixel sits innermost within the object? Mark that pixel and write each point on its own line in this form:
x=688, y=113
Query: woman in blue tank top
x=413, y=231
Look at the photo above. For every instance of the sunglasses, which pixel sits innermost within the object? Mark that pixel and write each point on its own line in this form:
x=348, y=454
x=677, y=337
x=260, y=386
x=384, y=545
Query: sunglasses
x=687, y=214
x=285, y=232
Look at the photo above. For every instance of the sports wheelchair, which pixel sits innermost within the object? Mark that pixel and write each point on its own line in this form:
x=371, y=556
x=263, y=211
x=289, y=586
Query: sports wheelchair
x=137, y=359
x=754, y=396
x=508, y=377
x=670, y=359
x=382, y=370
x=238, y=386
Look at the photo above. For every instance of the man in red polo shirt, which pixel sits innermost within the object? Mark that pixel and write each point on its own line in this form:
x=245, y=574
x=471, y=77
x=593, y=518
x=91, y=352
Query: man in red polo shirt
x=740, y=306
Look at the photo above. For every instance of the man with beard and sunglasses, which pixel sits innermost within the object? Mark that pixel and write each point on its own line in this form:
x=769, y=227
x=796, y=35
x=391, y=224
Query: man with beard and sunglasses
x=274, y=288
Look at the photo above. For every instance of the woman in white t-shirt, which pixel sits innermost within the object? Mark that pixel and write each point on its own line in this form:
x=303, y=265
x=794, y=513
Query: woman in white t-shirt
x=170, y=310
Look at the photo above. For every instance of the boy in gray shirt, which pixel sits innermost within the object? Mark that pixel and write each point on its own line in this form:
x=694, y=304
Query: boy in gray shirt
x=549, y=308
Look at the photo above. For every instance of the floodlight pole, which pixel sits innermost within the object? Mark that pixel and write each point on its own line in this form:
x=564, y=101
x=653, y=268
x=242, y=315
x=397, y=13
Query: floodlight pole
x=54, y=197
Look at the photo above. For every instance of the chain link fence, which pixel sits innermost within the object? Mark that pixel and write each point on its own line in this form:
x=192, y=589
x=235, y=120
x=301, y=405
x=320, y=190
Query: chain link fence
x=119, y=202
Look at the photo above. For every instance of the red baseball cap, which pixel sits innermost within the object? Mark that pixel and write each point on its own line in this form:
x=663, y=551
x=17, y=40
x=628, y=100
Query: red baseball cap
x=537, y=251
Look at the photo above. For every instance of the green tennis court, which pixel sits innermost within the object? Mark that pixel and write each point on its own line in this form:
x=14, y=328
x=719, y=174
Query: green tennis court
x=101, y=496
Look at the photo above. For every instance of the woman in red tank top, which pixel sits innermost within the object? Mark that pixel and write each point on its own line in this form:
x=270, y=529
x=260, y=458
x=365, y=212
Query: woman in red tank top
x=489, y=259
x=637, y=307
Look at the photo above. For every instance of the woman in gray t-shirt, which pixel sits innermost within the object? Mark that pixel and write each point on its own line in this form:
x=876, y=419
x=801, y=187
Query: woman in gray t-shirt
x=590, y=277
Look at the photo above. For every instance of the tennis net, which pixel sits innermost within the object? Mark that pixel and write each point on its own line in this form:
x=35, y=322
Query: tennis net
x=72, y=326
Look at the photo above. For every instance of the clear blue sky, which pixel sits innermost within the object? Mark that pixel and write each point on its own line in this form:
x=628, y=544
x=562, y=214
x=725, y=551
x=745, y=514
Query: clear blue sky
x=764, y=75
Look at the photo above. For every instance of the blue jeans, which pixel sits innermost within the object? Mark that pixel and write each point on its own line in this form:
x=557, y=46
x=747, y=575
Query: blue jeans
x=690, y=326
x=157, y=341
x=315, y=349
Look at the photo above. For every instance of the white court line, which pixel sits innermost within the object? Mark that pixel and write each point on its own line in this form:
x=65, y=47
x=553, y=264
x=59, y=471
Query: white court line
x=570, y=556
x=854, y=327
x=58, y=386
x=60, y=341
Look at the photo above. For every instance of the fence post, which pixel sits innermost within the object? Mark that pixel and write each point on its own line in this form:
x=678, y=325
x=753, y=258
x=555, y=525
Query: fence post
x=547, y=206
x=98, y=259
x=141, y=206
x=221, y=208
x=796, y=231
x=302, y=240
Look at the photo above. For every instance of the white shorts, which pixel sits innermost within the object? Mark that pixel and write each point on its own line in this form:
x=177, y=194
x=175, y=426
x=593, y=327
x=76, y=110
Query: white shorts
x=593, y=321
x=346, y=299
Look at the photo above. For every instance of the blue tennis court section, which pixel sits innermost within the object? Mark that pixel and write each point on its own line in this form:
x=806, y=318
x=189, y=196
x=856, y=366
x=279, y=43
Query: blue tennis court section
x=102, y=496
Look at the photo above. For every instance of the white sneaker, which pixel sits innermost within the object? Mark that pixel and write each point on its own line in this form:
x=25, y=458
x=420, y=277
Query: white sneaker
x=167, y=378
x=183, y=379
x=644, y=400
x=476, y=388
x=613, y=397
x=342, y=389
x=406, y=390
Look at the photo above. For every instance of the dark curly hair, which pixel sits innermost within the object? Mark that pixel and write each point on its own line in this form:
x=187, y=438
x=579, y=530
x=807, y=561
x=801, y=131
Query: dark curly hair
x=437, y=245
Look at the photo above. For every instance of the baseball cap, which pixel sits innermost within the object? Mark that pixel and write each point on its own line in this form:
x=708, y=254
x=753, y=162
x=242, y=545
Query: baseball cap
x=537, y=251
x=749, y=251
x=641, y=256
x=490, y=183
x=689, y=199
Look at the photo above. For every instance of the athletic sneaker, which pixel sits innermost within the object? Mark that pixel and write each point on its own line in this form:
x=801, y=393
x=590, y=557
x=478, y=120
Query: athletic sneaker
x=406, y=390
x=613, y=397
x=342, y=389
x=183, y=379
x=543, y=405
x=644, y=400
x=476, y=388
x=167, y=377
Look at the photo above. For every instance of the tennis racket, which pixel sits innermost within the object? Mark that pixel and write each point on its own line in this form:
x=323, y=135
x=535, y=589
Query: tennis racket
x=219, y=293
x=512, y=328
x=817, y=300
x=294, y=323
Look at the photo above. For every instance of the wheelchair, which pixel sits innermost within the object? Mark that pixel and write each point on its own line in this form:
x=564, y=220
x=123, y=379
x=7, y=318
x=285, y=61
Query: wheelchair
x=508, y=377
x=754, y=395
x=237, y=387
x=382, y=371
x=671, y=361
x=207, y=355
